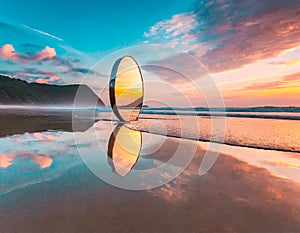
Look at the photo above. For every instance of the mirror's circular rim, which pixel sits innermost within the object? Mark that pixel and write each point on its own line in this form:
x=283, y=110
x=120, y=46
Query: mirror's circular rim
x=112, y=91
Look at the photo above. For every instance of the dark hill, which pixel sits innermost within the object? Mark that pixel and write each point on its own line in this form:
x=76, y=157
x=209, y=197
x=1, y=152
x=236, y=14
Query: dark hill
x=19, y=92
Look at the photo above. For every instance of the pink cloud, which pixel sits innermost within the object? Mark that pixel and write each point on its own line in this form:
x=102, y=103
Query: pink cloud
x=292, y=77
x=41, y=81
x=274, y=84
x=47, y=73
x=6, y=160
x=47, y=80
x=272, y=33
x=38, y=136
x=54, y=78
x=174, y=32
x=224, y=43
x=45, y=137
x=264, y=86
x=42, y=161
x=46, y=54
x=7, y=51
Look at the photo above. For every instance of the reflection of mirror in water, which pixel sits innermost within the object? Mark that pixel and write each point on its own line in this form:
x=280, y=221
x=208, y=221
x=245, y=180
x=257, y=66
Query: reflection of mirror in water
x=124, y=149
x=126, y=89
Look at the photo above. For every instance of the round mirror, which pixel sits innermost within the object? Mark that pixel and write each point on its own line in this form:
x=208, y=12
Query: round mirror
x=126, y=89
x=124, y=148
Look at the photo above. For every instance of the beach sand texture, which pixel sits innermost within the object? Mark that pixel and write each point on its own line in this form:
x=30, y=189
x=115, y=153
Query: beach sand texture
x=250, y=132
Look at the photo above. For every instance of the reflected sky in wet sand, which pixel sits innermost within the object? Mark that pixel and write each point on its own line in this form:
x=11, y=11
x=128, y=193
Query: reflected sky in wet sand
x=46, y=187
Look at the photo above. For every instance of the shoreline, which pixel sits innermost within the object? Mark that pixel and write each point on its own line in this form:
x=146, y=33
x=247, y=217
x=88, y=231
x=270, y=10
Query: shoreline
x=280, y=115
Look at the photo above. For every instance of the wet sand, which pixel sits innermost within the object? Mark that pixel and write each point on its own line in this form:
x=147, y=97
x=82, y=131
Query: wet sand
x=232, y=197
x=271, y=134
x=236, y=195
x=19, y=121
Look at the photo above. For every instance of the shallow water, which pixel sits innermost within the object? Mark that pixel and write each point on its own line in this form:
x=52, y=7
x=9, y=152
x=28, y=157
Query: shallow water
x=46, y=185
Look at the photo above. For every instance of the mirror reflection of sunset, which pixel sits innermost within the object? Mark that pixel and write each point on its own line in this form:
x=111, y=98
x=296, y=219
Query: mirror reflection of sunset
x=128, y=94
x=126, y=150
x=127, y=89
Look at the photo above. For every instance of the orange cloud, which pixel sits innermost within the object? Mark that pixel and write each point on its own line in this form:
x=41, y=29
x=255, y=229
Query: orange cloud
x=54, y=78
x=292, y=77
x=41, y=81
x=288, y=81
x=42, y=161
x=264, y=86
x=286, y=63
x=46, y=54
x=277, y=96
x=7, y=51
x=6, y=160
x=283, y=92
x=48, y=80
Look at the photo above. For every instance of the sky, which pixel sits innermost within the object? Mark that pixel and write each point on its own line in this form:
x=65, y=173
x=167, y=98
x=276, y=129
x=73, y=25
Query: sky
x=92, y=25
x=249, y=47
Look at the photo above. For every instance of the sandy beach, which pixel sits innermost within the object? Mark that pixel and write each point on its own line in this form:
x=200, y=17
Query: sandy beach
x=232, y=197
x=46, y=185
x=276, y=134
